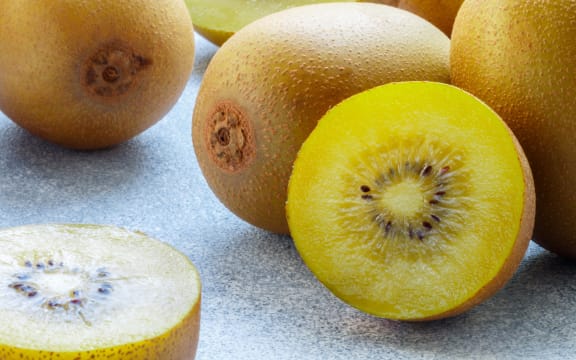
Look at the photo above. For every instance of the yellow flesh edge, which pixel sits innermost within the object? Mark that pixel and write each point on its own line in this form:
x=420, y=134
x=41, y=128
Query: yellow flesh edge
x=161, y=289
x=418, y=283
x=220, y=19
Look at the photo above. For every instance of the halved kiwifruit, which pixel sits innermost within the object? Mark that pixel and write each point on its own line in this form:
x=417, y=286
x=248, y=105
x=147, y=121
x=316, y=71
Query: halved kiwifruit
x=411, y=201
x=217, y=20
x=95, y=292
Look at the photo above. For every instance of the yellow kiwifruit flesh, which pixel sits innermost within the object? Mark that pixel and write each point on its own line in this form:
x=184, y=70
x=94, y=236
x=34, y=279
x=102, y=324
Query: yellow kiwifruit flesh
x=520, y=58
x=95, y=292
x=217, y=20
x=266, y=87
x=411, y=201
x=91, y=74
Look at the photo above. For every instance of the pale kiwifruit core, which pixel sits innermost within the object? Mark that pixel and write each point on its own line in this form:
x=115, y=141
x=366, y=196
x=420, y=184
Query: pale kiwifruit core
x=409, y=191
x=66, y=291
x=113, y=70
x=77, y=287
x=229, y=137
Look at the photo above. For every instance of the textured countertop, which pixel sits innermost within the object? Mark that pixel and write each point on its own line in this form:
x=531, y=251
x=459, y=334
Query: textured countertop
x=259, y=300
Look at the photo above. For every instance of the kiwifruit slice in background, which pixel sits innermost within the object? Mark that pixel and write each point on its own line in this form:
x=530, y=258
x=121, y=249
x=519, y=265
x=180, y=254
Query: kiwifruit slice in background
x=95, y=292
x=217, y=20
x=411, y=201
x=267, y=87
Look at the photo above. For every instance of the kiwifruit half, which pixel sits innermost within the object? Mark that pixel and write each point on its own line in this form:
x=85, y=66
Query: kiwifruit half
x=70, y=291
x=91, y=74
x=520, y=58
x=268, y=85
x=217, y=20
x=411, y=201
x=439, y=12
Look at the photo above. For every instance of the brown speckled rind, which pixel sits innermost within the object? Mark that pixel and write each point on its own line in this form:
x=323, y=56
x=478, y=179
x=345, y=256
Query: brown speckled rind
x=47, y=52
x=286, y=70
x=519, y=57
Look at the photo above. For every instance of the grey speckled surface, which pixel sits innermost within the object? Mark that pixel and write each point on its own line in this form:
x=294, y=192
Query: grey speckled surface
x=259, y=300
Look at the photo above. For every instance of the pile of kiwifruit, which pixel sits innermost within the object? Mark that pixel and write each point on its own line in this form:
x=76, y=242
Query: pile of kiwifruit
x=403, y=145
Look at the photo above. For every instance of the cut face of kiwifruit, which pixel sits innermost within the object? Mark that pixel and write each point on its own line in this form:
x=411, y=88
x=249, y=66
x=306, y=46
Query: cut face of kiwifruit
x=411, y=201
x=217, y=20
x=95, y=292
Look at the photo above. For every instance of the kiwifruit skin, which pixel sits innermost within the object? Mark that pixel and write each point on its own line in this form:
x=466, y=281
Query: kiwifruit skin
x=286, y=70
x=439, y=12
x=179, y=343
x=246, y=11
x=520, y=58
x=44, y=49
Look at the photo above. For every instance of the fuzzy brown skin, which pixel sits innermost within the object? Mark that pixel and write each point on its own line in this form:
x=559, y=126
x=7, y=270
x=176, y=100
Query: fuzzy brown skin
x=92, y=74
x=439, y=12
x=519, y=57
x=282, y=73
x=518, y=250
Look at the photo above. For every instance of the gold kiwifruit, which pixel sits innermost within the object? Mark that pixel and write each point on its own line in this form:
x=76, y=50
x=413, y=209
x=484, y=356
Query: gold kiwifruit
x=269, y=84
x=95, y=292
x=92, y=74
x=520, y=58
x=439, y=12
x=412, y=201
x=218, y=20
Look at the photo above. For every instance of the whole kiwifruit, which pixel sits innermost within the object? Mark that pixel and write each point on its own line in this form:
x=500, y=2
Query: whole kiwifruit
x=92, y=74
x=269, y=84
x=520, y=57
x=80, y=291
x=439, y=12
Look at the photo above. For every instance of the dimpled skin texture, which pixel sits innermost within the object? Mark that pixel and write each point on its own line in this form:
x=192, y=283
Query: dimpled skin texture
x=520, y=57
x=219, y=20
x=45, y=46
x=439, y=12
x=286, y=70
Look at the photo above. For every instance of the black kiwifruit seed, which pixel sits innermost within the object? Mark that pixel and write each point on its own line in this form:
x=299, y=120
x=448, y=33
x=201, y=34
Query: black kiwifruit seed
x=27, y=283
x=432, y=169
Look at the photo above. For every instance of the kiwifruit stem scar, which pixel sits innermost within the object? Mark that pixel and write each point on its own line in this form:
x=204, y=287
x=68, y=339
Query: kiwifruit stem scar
x=229, y=137
x=224, y=136
x=110, y=74
x=113, y=70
